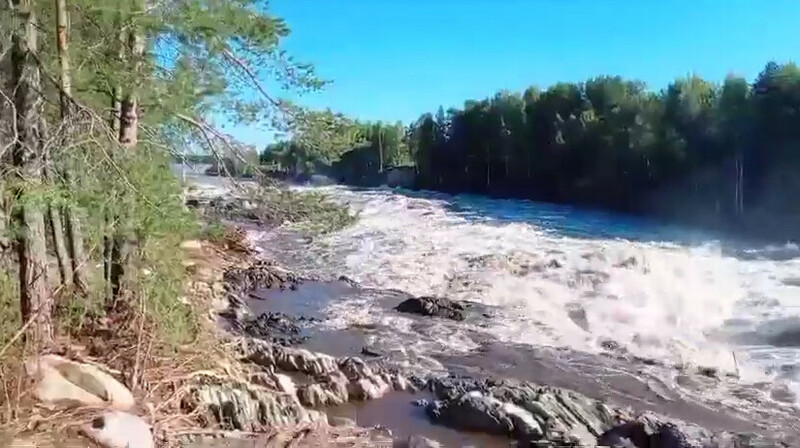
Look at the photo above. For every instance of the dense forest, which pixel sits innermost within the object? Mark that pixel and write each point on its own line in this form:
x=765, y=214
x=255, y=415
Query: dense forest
x=696, y=150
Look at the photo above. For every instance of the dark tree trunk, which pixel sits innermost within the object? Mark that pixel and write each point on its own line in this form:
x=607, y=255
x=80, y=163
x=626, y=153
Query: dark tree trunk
x=124, y=243
x=54, y=217
x=35, y=298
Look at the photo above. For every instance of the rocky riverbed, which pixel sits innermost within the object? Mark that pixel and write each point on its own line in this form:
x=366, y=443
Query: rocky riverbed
x=477, y=405
x=492, y=395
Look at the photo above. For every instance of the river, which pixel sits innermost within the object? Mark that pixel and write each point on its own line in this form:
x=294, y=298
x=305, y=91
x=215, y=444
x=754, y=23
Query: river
x=610, y=305
x=599, y=294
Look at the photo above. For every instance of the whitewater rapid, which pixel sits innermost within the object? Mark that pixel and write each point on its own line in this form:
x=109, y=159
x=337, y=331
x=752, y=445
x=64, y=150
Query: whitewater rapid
x=562, y=277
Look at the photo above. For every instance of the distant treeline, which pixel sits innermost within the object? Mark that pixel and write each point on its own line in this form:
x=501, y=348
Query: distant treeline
x=696, y=150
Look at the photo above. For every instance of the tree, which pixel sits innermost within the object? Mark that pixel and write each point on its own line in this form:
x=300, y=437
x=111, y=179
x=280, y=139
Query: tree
x=78, y=260
x=36, y=297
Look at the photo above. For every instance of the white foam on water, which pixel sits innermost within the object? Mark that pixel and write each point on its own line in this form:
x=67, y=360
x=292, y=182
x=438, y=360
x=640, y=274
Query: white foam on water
x=556, y=280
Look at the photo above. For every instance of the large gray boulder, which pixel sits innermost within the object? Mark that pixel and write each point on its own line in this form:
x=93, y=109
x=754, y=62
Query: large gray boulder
x=520, y=410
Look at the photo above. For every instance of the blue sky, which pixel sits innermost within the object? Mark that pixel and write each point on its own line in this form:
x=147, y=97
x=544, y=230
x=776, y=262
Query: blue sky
x=395, y=59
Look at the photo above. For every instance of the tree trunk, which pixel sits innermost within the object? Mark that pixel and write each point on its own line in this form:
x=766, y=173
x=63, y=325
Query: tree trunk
x=124, y=244
x=35, y=298
x=54, y=217
x=108, y=234
x=129, y=117
x=79, y=263
x=57, y=233
x=380, y=148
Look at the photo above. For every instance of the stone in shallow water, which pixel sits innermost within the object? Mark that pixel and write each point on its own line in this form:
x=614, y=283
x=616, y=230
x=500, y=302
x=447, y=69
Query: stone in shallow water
x=432, y=306
x=520, y=410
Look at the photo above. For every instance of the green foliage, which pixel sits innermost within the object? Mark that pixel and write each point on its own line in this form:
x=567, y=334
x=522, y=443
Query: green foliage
x=10, y=315
x=311, y=212
x=161, y=285
x=696, y=150
x=318, y=138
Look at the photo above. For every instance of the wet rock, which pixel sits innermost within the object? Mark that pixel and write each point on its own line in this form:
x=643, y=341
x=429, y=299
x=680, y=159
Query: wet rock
x=119, y=430
x=290, y=359
x=331, y=390
x=627, y=263
x=628, y=435
x=610, y=345
x=262, y=274
x=710, y=372
x=577, y=314
x=336, y=381
x=62, y=382
x=521, y=410
x=471, y=412
x=372, y=351
x=433, y=306
x=278, y=328
x=247, y=407
x=364, y=383
x=420, y=442
x=349, y=281
x=554, y=264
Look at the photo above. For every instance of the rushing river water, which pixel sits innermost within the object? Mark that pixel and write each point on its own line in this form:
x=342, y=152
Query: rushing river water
x=606, y=304
x=591, y=282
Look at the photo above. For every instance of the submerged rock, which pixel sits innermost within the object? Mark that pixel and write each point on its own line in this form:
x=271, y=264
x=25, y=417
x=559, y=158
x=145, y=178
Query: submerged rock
x=433, y=306
x=278, y=328
x=262, y=274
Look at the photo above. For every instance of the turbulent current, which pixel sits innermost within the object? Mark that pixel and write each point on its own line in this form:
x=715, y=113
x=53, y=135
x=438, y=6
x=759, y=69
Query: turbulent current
x=667, y=299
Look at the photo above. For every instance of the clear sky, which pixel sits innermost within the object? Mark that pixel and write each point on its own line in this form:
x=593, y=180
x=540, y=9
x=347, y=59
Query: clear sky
x=395, y=59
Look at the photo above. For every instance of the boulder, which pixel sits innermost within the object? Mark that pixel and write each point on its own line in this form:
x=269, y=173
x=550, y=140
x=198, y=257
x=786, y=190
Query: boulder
x=432, y=306
x=275, y=327
x=262, y=274
x=247, y=407
x=62, y=382
x=290, y=359
x=520, y=410
x=117, y=429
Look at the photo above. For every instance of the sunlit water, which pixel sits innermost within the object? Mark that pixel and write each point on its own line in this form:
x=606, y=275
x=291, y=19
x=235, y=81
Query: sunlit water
x=565, y=277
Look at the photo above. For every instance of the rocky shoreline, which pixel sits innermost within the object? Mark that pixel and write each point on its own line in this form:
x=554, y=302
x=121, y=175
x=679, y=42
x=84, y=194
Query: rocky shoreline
x=524, y=413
